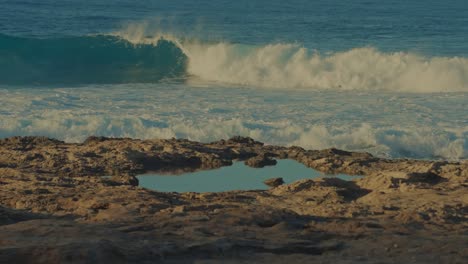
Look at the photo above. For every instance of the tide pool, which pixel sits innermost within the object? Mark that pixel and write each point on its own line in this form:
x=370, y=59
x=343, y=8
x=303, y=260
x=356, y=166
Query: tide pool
x=235, y=177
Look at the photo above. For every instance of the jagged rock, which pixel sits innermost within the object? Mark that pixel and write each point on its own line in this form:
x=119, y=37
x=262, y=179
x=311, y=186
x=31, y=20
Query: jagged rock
x=274, y=182
x=425, y=177
x=125, y=180
x=28, y=143
x=243, y=140
x=178, y=210
x=94, y=140
x=260, y=161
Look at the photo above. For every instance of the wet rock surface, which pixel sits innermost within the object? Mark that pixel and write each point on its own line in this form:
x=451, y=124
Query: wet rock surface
x=54, y=207
x=260, y=161
x=274, y=182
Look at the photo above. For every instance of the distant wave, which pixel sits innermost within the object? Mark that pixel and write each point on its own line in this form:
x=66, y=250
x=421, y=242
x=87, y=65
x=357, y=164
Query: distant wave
x=125, y=58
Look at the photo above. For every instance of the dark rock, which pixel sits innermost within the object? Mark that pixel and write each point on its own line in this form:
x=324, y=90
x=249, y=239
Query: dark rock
x=282, y=155
x=295, y=152
x=90, y=154
x=29, y=142
x=100, y=206
x=260, y=162
x=125, y=180
x=339, y=152
x=93, y=139
x=41, y=191
x=244, y=141
x=428, y=177
x=274, y=182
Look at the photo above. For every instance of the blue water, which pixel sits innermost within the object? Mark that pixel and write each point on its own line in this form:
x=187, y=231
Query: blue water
x=431, y=26
x=235, y=177
x=386, y=77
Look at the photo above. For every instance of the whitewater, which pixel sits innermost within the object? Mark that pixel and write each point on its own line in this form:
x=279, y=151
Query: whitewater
x=385, y=124
x=390, y=78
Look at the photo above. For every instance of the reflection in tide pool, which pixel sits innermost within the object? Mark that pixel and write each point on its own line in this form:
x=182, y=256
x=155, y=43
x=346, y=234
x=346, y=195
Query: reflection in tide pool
x=235, y=177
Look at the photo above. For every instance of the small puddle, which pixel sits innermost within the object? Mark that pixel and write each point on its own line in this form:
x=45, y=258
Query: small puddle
x=235, y=177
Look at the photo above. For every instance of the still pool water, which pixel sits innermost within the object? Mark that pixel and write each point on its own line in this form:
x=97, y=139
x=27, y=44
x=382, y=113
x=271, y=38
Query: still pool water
x=235, y=177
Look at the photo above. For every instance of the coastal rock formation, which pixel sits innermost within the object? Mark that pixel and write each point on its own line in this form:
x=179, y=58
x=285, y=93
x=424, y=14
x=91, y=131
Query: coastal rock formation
x=55, y=207
x=260, y=161
x=274, y=182
x=125, y=180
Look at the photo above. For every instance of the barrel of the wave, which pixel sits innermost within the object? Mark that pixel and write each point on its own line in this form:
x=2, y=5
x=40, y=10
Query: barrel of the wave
x=96, y=59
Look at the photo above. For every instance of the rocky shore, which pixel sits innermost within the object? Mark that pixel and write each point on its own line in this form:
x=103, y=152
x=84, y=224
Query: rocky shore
x=55, y=207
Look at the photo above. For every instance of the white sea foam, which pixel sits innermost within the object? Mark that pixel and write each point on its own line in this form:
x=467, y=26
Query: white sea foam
x=388, y=125
x=382, y=142
x=292, y=66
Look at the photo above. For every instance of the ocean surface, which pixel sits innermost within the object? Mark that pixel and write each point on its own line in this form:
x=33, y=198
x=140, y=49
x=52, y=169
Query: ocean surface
x=386, y=77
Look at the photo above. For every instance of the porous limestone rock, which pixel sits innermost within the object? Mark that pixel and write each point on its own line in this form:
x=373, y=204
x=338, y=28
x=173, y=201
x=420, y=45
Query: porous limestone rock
x=56, y=208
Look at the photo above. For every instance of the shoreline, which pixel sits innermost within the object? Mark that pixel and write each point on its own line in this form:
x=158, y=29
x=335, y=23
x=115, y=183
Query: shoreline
x=54, y=208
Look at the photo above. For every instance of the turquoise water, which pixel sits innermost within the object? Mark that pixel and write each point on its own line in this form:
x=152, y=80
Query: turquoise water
x=385, y=77
x=235, y=177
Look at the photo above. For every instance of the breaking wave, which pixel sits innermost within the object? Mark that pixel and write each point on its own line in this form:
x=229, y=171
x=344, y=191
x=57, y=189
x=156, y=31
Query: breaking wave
x=129, y=57
x=292, y=66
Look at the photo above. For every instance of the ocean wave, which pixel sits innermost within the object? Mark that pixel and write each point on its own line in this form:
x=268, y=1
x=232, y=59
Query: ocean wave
x=131, y=56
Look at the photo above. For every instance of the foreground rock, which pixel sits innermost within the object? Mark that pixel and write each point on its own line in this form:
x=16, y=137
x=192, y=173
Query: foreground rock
x=54, y=208
x=260, y=161
x=274, y=182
